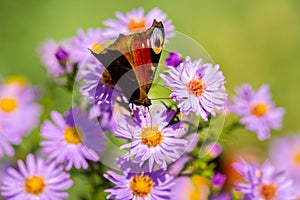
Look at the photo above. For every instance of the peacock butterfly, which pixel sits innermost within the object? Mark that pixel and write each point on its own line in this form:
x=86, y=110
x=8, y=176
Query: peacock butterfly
x=131, y=62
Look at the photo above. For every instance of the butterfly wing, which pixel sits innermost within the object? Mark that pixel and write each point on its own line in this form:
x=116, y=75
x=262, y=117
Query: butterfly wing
x=131, y=62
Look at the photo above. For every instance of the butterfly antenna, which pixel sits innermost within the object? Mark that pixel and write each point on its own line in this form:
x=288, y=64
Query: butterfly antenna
x=131, y=120
x=168, y=98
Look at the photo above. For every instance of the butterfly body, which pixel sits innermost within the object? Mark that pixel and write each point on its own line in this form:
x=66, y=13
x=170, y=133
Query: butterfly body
x=131, y=62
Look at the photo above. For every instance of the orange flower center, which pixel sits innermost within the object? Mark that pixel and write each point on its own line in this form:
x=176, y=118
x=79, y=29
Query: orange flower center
x=73, y=135
x=8, y=104
x=268, y=191
x=259, y=110
x=35, y=185
x=196, y=87
x=141, y=185
x=135, y=26
x=151, y=136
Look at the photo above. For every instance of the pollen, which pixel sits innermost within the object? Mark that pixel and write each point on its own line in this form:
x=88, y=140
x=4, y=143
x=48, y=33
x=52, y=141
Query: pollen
x=141, y=185
x=196, y=87
x=35, y=185
x=97, y=47
x=135, y=26
x=151, y=136
x=8, y=104
x=259, y=110
x=258, y=173
x=73, y=135
x=268, y=191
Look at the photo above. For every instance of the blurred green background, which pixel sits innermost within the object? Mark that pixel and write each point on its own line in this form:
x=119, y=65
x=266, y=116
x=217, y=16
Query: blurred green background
x=254, y=41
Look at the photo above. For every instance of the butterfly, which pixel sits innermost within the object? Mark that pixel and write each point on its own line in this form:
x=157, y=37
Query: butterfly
x=131, y=62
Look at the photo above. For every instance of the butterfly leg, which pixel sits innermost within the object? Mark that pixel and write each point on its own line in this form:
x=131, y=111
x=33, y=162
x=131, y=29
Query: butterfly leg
x=131, y=110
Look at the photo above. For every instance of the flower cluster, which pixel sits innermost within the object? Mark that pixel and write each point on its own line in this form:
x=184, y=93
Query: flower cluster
x=265, y=182
x=131, y=150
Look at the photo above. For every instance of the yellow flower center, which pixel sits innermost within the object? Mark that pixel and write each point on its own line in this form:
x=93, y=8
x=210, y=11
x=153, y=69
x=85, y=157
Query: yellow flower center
x=97, y=47
x=18, y=80
x=8, y=104
x=268, y=191
x=141, y=185
x=35, y=185
x=196, y=87
x=73, y=135
x=297, y=158
x=135, y=26
x=259, y=110
x=151, y=136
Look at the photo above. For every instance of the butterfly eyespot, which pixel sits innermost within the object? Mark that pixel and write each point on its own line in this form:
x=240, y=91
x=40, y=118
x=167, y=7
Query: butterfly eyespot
x=156, y=40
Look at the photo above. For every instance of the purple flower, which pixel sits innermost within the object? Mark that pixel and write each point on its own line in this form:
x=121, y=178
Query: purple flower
x=265, y=182
x=152, y=139
x=93, y=39
x=8, y=137
x=35, y=180
x=55, y=58
x=222, y=196
x=285, y=154
x=196, y=187
x=218, y=180
x=174, y=59
x=213, y=149
x=178, y=165
x=73, y=140
x=140, y=185
x=19, y=114
x=61, y=55
x=197, y=87
x=135, y=21
x=257, y=111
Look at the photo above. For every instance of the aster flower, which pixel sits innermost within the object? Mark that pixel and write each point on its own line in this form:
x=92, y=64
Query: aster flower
x=265, y=182
x=196, y=187
x=8, y=137
x=73, y=139
x=56, y=58
x=178, y=165
x=36, y=179
x=152, y=139
x=17, y=104
x=213, y=150
x=140, y=185
x=218, y=181
x=197, y=87
x=136, y=21
x=285, y=154
x=222, y=196
x=174, y=59
x=79, y=46
x=258, y=112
